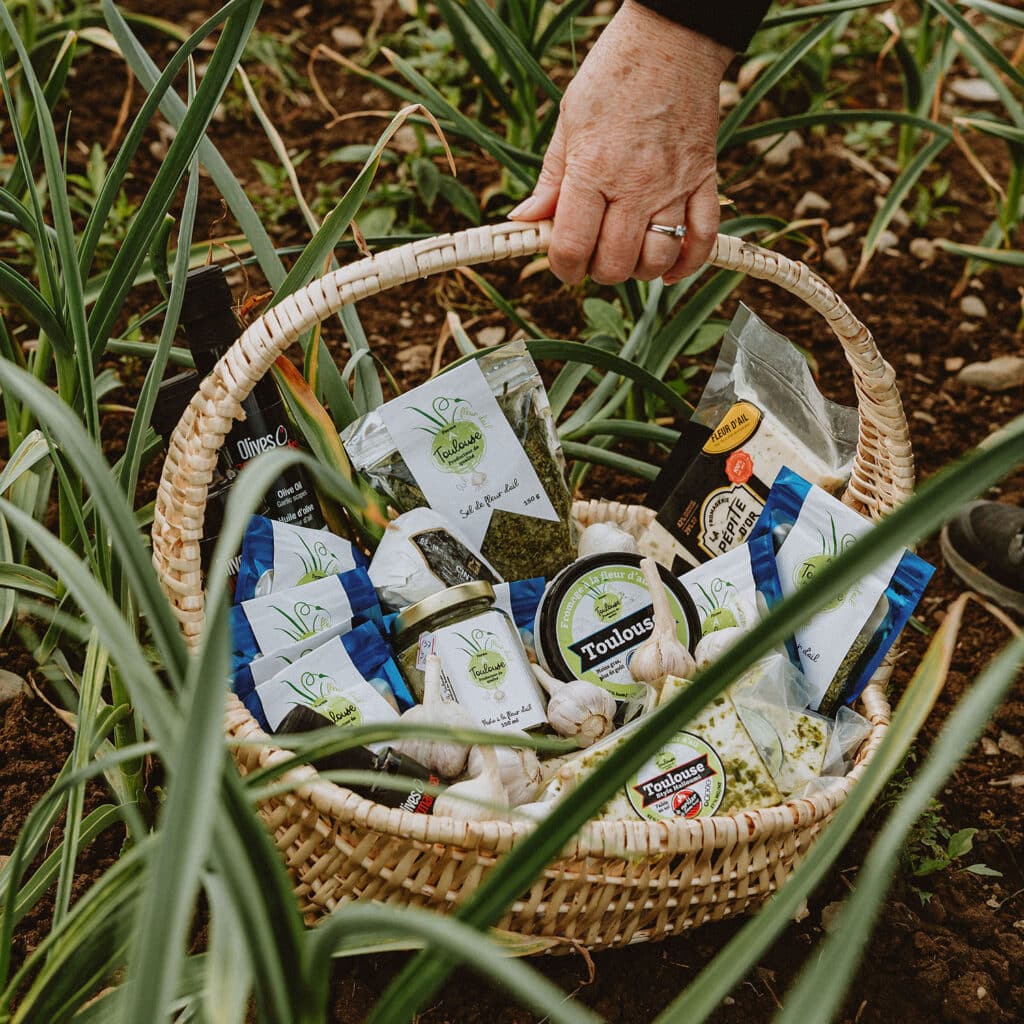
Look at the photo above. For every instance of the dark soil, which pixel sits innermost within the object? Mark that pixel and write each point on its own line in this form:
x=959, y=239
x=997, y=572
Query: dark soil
x=949, y=946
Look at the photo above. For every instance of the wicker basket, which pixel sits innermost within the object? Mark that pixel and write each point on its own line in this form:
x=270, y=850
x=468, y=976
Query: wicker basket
x=617, y=882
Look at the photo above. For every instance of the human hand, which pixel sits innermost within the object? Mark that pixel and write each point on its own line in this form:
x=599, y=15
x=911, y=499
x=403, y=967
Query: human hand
x=634, y=144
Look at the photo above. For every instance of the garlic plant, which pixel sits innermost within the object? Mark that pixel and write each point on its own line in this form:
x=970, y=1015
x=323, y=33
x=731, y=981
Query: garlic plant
x=598, y=538
x=518, y=767
x=579, y=709
x=662, y=653
x=711, y=647
x=447, y=759
x=480, y=798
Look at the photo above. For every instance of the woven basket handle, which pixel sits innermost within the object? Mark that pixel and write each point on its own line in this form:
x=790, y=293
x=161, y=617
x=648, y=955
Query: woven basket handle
x=883, y=472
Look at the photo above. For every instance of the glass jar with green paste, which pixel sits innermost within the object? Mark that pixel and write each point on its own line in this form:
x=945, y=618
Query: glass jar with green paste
x=483, y=661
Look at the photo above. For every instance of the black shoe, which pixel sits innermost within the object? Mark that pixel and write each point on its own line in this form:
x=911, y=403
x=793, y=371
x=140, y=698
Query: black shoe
x=984, y=546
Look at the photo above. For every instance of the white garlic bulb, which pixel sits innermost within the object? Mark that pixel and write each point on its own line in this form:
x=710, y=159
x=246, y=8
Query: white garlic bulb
x=447, y=759
x=711, y=647
x=662, y=653
x=599, y=538
x=480, y=798
x=518, y=767
x=579, y=710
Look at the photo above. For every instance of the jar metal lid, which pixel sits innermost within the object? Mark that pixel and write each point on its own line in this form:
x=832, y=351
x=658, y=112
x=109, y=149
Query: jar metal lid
x=419, y=612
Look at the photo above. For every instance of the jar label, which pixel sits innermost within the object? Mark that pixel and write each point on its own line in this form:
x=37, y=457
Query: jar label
x=685, y=779
x=463, y=453
x=486, y=667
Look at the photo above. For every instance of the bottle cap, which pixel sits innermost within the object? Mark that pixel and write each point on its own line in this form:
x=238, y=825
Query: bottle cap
x=206, y=294
x=445, y=599
x=172, y=400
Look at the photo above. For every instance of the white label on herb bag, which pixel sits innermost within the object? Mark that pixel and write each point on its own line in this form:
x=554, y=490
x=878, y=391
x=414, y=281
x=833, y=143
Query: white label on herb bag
x=302, y=555
x=486, y=667
x=724, y=591
x=463, y=453
x=327, y=681
x=268, y=665
x=297, y=614
x=824, y=529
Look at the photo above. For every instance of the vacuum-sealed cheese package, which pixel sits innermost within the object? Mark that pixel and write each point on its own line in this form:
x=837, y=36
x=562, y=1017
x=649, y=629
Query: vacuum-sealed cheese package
x=842, y=645
x=763, y=411
x=276, y=556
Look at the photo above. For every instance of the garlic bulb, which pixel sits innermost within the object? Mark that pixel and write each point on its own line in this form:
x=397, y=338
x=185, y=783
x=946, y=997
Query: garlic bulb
x=518, y=767
x=447, y=759
x=478, y=799
x=603, y=537
x=711, y=647
x=578, y=709
x=662, y=653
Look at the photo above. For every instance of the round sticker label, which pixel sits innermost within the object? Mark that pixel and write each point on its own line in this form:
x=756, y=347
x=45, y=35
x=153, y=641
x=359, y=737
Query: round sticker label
x=685, y=779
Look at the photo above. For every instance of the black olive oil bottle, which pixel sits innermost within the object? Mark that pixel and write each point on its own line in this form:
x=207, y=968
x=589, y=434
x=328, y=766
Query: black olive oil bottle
x=211, y=328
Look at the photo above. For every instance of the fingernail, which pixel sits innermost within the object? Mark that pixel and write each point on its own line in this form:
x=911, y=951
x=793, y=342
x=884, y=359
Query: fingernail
x=529, y=203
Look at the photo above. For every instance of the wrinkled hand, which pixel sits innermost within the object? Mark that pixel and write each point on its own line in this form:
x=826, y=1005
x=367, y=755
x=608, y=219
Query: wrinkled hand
x=634, y=144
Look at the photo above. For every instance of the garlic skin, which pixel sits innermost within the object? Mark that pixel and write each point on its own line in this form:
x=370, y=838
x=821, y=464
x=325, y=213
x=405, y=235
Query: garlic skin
x=459, y=801
x=518, y=768
x=447, y=759
x=662, y=653
x=600, y=538
x=712, y=646
x=579, y=710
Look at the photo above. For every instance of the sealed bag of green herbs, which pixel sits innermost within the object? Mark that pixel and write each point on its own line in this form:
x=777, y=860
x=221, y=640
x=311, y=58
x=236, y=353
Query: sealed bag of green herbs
x=477, y=444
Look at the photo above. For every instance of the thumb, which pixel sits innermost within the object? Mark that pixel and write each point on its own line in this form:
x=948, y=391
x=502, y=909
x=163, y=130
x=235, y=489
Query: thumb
x=542, y=203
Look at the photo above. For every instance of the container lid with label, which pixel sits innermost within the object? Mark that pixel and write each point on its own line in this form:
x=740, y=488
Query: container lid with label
x=418, y=613
x=595, y=614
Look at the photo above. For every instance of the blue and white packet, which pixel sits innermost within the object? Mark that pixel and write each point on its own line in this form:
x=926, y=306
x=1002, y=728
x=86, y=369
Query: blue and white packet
x=276, y=556
x=263, y=625
x=737, y=589
x=348, y=680
x=519, y=600
x=841, y=646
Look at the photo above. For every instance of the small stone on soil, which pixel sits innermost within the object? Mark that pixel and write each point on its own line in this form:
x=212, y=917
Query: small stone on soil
x=778, y=150
x=11, y=685
x=728, y=95
x=954, y=363
x=811, y=203
x=835, y=259
x=989, y=747
x=971, y=305
x=997, y=374
x=973, y=90
x=922, y=249
x=830, y=914
x=347, y=37
x=913, y=359
x=835, y=235
x=899, y=217
x=1011, y=744
x=488, y=336
x=888, y=240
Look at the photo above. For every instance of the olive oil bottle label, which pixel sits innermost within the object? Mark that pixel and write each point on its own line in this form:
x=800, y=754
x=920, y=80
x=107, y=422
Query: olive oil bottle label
x=823, y=530
x=464, y=454
x=487, y=670
x=327, y=681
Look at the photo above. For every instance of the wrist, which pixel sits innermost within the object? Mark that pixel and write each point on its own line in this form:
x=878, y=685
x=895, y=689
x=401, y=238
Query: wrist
x=668, y=36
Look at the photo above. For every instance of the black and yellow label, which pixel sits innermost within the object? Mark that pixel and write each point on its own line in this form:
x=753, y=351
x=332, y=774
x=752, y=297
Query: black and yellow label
x=735, y=427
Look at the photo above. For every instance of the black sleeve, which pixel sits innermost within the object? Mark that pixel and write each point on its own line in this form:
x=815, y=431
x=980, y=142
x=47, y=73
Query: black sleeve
x=730, y=22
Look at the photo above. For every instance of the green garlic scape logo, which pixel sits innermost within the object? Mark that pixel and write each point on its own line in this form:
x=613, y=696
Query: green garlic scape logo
x=319, y=691
x=304, y=620
x=487, y=666
x=459, y=439
x=715, y=611
x=607, y=602
x=664, y=760
x=831, y=549
x=317, y=563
